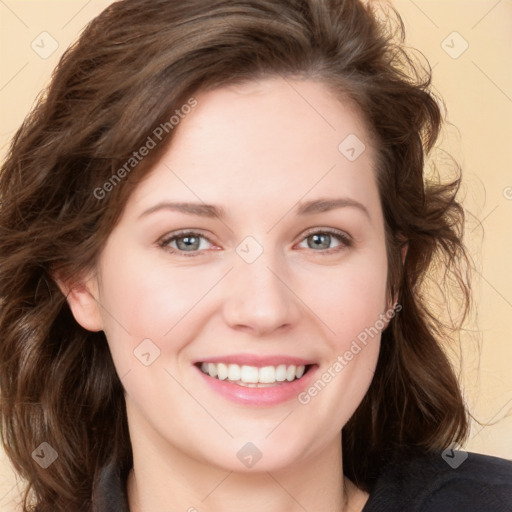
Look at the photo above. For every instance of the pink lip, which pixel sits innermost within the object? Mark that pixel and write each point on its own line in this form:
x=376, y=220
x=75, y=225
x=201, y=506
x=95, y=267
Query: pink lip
x=262, y=397
x=258, y=361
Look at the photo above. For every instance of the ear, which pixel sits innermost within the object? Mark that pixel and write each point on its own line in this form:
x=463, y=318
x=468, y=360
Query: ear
x=82, y=298
x=403, y=250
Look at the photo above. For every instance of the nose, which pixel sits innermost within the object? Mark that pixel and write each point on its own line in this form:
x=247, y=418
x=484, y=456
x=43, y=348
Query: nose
x=259, y=299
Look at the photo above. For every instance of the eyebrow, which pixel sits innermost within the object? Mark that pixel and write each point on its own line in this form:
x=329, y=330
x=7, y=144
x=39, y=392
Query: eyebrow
x=199, y=209
x=324, y=205
x=211, y=211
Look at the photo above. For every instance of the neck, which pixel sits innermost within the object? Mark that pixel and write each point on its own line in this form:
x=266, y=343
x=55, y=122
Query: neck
x=231, y=493
x=157, y=484
x=177, y=476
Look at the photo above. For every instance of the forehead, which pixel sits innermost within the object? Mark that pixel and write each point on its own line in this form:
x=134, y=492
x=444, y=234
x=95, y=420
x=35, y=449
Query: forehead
x=265, y=141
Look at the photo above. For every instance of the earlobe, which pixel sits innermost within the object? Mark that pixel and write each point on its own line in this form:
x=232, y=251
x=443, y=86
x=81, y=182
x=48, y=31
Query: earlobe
x=82, y=300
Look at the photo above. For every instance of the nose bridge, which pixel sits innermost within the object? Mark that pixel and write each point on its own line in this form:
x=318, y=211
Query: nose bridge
x=257, y=297
x=258, y=278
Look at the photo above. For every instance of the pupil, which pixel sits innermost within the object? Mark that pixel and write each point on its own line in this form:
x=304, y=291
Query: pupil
x=188, y=242
x=323, y=245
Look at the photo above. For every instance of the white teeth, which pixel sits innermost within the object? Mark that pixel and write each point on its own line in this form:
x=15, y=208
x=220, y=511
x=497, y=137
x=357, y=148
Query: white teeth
x=212, y=369
x=253, y=375
x=290, y=372
x=249, y=374
x=222, y=371
x=233, y=372
x=300, y=371
x=280, y=373
x=267, y=374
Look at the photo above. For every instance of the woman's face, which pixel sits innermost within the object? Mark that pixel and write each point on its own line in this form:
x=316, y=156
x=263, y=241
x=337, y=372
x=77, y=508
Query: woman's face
x=254, y=247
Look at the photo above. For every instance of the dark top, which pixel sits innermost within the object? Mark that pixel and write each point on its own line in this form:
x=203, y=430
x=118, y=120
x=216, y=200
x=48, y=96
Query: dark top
x=447, y=482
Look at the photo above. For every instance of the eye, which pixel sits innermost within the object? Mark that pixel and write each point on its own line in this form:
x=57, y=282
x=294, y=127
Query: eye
x=322, y=239
x=191, y=243
x=188, y=243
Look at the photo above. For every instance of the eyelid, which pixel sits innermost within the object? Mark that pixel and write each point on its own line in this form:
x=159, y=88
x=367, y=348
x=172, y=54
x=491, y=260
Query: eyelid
x=329, y=231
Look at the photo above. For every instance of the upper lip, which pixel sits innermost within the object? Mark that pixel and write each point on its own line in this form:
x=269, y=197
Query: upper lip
x=256, y=360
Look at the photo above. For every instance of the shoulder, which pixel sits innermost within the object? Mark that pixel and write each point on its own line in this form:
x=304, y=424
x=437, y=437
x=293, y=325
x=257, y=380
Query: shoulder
x=450, y=481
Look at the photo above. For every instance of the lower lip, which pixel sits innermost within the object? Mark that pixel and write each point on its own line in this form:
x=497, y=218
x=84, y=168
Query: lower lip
x=266, y=396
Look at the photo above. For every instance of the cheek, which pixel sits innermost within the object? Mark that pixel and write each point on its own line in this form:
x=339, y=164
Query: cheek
x=352, y=299
x=353, y=307
x=141, y=301
x=149, y=297
x=358, y=316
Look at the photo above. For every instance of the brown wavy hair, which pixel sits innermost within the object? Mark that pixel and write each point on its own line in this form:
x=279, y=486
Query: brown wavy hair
x=133, y=66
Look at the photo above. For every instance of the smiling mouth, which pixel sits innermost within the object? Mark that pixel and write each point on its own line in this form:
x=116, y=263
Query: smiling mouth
x=254, y=376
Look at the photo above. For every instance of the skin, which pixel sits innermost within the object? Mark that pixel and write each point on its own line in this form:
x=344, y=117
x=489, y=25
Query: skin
x=256, y=150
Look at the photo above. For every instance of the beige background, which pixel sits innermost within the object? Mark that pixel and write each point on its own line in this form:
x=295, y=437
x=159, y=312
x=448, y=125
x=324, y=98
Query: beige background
x=477, y=87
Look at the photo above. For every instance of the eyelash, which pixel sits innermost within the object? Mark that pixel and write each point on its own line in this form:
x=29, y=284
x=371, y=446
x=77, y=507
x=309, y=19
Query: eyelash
x=342, y=237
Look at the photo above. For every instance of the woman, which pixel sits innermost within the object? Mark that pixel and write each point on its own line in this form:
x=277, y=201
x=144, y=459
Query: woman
x=215, y=234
